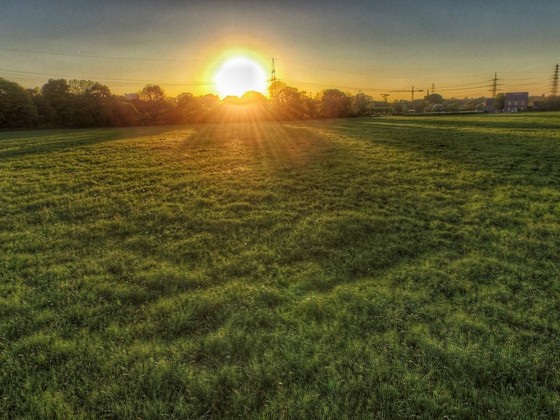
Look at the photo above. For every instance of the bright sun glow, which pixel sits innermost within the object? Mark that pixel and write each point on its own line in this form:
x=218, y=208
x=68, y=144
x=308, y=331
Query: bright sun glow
x=239, y=75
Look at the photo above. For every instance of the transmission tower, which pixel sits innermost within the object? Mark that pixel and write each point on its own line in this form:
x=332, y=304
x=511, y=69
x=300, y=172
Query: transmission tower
x=554, y=85
x=494, y=85
x=273, y=80
x=433, y=88
x=385, y=96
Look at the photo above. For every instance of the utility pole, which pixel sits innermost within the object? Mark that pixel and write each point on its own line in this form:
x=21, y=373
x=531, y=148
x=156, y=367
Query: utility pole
x=273, y=81
x=411, y=92
x=385, y=96
x=494, y=85
x=554, y=86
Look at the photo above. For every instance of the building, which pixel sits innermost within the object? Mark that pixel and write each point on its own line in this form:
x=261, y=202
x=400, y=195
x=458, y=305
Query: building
x=489, y=105
x=131, y=96
x=516, y=101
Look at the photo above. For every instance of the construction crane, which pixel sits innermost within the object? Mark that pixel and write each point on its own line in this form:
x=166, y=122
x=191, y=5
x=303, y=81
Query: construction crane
x=411, y=92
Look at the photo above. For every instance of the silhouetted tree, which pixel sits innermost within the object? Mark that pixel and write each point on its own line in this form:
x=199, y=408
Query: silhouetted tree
x=254, y=98
x=125, y=114
x=89, y=88
x=57, y=95
x=435, y=108
x=152, y=93
x=288, y=103
x=334, y=104
x=400, y=107
x=434, y=98
x=311, y=106
x=91, y=104
x=451, y=105
x=231, y=100
x=499, y=101
x=418, y=105
x=551, y=103
x=275, y=87
x=188, y=108
x=210, y=105
x=361, y=104
x=16, y=106
x=170, y=114
x=152, y=103
x=468, y=106
x=209, y=101
x=44, y=110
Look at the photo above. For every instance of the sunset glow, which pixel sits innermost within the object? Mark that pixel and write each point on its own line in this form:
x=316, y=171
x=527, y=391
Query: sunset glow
x=239, y=75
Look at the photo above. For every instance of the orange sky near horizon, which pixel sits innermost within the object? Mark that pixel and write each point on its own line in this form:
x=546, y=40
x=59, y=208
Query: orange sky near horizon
x=374, y=47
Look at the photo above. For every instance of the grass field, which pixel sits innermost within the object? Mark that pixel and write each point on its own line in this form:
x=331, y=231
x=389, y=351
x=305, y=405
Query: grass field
x=367, y=268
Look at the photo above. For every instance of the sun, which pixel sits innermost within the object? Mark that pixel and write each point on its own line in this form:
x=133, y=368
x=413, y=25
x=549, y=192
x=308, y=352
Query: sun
x=239, y=75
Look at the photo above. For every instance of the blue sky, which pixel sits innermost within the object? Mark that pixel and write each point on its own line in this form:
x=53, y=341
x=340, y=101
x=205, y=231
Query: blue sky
x=373, y=46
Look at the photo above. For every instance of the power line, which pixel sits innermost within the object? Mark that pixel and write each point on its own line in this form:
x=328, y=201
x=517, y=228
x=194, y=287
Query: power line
x=119, y=81
x=363, y=72
x=455, y=89
x=459, y=87
x=332, y=86
x=110, y=80
x=80, y=55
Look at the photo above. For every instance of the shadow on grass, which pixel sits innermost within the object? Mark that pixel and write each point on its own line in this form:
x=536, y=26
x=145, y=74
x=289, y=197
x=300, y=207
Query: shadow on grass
x=541, y=121
x=528, y=153
x=22, y=143
x=389, y=194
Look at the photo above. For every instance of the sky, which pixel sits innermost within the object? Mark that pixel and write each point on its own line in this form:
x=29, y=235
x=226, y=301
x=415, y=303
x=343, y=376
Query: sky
x=375, y=46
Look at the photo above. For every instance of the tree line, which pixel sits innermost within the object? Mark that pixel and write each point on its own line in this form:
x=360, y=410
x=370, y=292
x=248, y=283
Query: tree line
x=84, y=103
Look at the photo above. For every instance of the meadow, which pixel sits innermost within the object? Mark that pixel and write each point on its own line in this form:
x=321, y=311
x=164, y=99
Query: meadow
x=364, y=268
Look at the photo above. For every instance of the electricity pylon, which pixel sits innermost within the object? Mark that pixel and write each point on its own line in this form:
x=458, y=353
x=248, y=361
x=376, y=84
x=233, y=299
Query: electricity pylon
x=494, y=85
x=273, y=80
x=554, y=85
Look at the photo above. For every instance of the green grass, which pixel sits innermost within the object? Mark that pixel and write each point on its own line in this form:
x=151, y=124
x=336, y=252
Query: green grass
x=368, y=268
